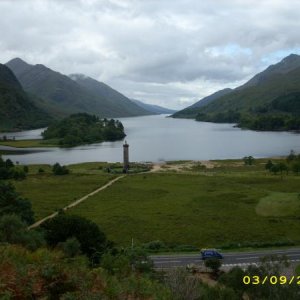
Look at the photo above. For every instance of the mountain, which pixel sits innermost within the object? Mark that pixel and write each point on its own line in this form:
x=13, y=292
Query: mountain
x=17, y=111
x=254, y=101
x=155, y=109
x=118, y=103
x=287, y=65
x=62, y=95
x=191, y=111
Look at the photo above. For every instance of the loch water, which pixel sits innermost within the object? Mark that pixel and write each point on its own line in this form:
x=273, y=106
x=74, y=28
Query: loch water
x=159, y=138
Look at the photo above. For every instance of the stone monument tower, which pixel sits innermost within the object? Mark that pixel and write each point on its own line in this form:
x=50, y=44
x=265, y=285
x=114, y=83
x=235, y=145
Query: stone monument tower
x=125, y=157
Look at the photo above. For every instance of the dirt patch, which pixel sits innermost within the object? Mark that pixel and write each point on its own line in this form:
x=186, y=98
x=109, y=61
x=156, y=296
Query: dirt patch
x=188, y=166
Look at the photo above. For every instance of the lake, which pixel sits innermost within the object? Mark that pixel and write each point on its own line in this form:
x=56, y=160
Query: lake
x=158, y=138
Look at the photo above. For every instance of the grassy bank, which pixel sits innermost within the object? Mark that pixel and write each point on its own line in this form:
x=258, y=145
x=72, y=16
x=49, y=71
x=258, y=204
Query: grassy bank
x=29, y=143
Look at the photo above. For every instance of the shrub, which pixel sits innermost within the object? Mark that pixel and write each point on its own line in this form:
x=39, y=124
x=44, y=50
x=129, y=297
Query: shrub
x=12, y=203
x=92, y=240
x=71, y=247
x=41, y=170
x=57, y=169
x=214, y=264
x=13, y=230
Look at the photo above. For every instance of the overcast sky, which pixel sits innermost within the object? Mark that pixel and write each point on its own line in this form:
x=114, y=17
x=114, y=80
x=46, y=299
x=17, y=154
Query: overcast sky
x=170, y=53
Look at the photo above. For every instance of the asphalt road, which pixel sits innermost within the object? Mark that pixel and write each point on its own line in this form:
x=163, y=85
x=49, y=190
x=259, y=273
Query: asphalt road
x=230, y=259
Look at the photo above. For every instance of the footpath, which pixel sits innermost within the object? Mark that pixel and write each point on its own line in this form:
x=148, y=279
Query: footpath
x=76, y=202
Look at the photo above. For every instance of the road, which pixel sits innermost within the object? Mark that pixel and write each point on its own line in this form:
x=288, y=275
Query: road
x=231, y=259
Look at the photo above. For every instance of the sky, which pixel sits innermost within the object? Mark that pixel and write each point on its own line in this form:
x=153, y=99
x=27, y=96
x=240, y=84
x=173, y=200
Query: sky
x=166, y=52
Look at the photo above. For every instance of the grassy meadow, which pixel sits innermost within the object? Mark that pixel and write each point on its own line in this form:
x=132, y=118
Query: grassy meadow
x=49, y=193
x=226, y=205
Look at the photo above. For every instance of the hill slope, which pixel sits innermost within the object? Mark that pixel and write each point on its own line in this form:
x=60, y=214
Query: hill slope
x=155, y=109
x=118, y=103
x=251, y=104
x=59, y=92
x=17, y=111
x=191, y=111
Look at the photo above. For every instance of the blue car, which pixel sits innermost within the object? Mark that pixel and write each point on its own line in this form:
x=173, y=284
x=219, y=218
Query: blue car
x=210, y=253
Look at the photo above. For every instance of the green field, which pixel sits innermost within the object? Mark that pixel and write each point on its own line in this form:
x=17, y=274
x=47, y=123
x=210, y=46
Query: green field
x=49, y=193
x=230, y=205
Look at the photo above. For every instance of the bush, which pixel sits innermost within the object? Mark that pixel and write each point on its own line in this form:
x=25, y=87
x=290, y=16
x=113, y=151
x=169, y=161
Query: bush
x=92, y=240
x=19, y=174
x=183, y=285
x=57, y=169
x=214, y=264
x=8, y=170
x=71, y=247
x=14, y=231
x=12, y=203
x=155, y=245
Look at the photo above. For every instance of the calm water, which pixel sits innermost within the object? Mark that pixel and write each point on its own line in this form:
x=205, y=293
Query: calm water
x=157, y=138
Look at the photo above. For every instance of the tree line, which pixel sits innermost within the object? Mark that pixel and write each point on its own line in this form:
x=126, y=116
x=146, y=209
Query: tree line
x=83, y=128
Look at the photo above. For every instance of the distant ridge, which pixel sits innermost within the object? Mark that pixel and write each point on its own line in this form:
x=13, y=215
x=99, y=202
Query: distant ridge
x=59, y=94
x=191, y=111
x=156, y=109
x=118, y=103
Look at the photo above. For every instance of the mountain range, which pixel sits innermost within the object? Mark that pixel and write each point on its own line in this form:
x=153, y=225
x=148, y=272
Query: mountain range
x=68, y=95
x=256, y=98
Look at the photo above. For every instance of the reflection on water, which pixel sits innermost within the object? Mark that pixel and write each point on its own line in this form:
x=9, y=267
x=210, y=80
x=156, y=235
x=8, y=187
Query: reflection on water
x=155, y=138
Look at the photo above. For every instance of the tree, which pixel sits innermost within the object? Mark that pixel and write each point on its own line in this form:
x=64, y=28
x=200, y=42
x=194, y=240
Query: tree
x=269, y=165
x=8, y=170
x=248, y=160
x=292, y=156
x=12, y=203
x=283, y=167
x=296, y=167
x=62, y=227
x=26, y=169
x=275, y=169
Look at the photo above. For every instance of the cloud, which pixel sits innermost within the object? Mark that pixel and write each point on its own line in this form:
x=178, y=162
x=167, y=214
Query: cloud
x=163, y=52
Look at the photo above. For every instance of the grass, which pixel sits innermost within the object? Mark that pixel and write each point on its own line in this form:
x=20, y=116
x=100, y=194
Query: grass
x=279, y=205
x=49, y=193
x=29, y=143
x=204, y=211
x=229, y=206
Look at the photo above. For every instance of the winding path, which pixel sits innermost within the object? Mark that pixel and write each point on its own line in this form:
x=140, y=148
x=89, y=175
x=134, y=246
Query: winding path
x=76, y=202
